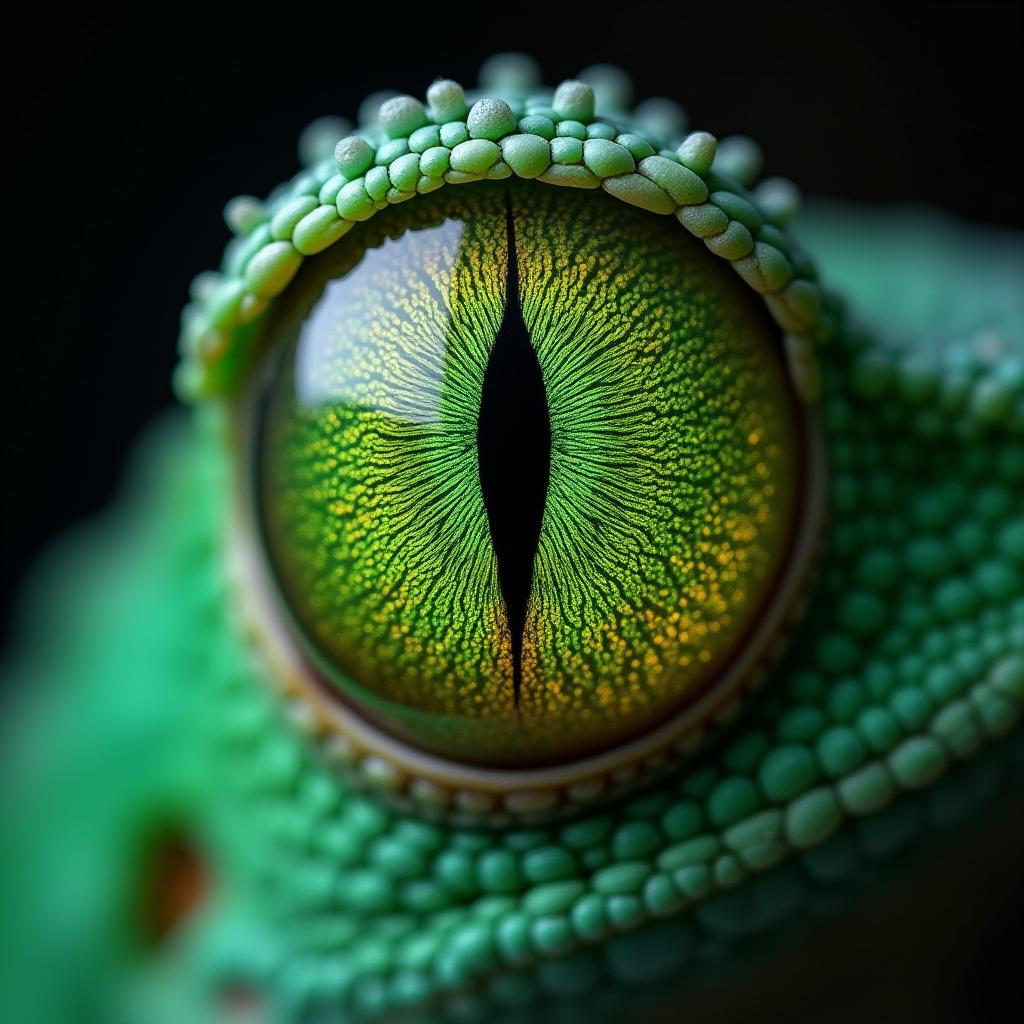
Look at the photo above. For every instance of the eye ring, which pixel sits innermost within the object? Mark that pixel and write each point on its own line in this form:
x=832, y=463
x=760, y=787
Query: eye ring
x=425, y=783
x=221, y=336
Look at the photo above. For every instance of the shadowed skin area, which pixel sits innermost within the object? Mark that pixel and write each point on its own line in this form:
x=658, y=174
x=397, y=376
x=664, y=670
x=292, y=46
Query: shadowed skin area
x=893, y=718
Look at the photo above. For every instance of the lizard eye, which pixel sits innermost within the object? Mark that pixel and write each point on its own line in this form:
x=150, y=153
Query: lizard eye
x=528, y=472
x=530, y=476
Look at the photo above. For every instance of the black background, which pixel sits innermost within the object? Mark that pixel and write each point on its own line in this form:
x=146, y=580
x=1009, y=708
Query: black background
x=126, y=134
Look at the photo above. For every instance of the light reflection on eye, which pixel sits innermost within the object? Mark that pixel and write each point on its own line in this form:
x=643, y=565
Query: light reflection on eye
x=330, y=368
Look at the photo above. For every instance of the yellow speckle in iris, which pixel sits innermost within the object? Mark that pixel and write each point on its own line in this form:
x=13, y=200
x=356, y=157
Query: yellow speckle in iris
x=672, y=481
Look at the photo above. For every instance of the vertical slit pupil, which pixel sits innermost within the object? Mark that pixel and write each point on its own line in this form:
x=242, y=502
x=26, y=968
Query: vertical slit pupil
x=514, y=449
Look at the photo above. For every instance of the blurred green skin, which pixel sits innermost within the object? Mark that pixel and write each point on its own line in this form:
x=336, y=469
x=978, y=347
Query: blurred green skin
x=138, y=712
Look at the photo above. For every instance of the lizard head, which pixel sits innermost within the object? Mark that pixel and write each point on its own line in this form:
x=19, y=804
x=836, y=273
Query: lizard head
x=535, y=410
x=563, y=586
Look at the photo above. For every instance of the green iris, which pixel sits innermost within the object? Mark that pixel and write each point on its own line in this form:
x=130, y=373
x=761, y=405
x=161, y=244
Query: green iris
x=528, y=470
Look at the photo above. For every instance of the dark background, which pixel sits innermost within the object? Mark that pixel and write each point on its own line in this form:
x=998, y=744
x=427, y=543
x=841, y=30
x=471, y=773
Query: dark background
x=126, y=134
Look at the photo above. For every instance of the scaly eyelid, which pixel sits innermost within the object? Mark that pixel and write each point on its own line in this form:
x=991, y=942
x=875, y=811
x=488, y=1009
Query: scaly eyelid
x=554, y=136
